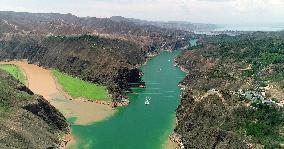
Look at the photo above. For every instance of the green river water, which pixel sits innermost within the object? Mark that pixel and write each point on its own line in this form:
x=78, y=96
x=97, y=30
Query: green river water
x=138, y=126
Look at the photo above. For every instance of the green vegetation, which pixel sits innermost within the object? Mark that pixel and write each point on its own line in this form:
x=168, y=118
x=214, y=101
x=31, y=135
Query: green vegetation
x=253, y=61
x=14, y=71
x=216, y=73
x=263, y=123
x=248, y=73
x=79, y=88
x=266, y=55
x=9, y=95
x=256, y=49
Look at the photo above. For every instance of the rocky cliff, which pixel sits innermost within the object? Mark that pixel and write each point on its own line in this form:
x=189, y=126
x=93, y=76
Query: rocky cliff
x=28, y=120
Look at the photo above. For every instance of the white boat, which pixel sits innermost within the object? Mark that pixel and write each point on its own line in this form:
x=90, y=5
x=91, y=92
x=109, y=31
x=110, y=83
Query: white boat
x=147, y=100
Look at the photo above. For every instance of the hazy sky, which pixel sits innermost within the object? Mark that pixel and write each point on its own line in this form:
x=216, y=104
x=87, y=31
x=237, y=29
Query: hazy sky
x=252, y=12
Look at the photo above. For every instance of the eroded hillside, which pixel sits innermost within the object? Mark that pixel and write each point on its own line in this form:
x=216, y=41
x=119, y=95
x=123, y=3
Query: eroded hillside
x=28, y=120
x=227, y=100
x=97, y=50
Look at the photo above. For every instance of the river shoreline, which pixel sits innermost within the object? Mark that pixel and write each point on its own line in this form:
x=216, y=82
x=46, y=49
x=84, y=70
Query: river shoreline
x=175, y=137
x=173, y=141
x=71, y=102
x=42, y=82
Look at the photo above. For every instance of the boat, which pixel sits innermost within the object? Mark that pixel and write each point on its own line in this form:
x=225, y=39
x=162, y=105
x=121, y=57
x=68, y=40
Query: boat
x=147, y=100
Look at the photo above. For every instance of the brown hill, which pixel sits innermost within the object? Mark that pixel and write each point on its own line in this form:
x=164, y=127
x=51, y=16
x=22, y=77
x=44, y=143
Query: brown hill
x=28, y=120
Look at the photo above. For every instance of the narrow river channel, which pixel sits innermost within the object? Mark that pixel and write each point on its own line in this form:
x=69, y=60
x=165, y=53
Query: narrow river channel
x=139, y=126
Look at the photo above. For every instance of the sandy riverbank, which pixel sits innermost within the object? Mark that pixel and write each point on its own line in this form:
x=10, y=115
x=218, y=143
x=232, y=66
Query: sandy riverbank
x=42, y=82
x=170, y=144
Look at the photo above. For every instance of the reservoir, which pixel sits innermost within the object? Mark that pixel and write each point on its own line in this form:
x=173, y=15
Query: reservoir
x=139, y=126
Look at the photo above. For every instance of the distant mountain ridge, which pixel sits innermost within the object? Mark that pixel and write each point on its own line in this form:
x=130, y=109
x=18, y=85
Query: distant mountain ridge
x=179, y=25
x=70, y=25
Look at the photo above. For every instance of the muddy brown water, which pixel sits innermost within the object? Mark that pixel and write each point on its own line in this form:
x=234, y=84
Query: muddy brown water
x=41, y=81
